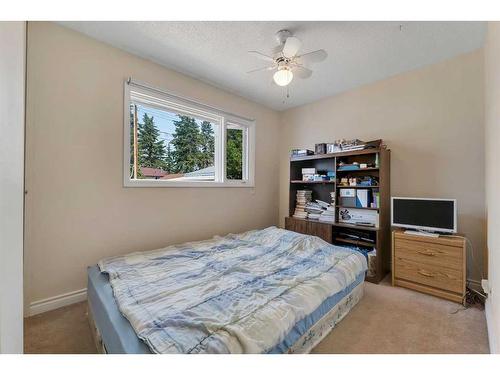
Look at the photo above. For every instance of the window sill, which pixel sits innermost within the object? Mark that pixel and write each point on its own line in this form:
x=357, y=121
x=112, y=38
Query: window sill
x=174, y=184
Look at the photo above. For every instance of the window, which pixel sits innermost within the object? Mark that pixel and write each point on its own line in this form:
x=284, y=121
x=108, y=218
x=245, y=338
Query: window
x=171, y=141
x=235, y=151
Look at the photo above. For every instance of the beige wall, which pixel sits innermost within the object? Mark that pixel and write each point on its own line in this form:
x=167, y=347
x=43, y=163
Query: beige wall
x=431, y=119
x=492, y=121
x=77, y=210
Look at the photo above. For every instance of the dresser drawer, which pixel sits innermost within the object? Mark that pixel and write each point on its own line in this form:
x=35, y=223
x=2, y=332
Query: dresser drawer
x=428, y=274
x=432, y=254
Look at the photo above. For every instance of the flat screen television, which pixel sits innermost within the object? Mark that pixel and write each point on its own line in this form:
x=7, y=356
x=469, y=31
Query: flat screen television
x=427, y=214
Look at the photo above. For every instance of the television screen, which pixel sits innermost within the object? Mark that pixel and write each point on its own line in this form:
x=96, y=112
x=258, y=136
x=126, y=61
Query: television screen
x=430, y=214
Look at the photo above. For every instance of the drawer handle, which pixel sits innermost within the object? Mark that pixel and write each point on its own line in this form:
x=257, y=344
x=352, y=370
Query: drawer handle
x=426, y=274
x=428, y=253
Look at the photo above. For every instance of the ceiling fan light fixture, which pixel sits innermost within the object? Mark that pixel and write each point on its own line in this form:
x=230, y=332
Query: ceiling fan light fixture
x=283, y=76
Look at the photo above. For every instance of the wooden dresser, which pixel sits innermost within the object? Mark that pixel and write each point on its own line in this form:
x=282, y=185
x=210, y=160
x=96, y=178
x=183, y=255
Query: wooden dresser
x=430, y=265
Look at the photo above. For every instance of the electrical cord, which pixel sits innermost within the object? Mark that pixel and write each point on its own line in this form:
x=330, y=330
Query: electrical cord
x=472, y=297
x=470, y=254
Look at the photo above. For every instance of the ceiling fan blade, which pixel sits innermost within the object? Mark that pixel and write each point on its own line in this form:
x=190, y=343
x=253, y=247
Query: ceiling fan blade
x=261, y=56
x=313, y=57
x=302, y=72
x=292, y=46
x=277, y=51
x=261, y=69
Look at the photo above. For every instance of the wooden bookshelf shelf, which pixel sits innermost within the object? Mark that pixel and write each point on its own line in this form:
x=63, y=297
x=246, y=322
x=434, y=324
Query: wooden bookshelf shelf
x=360, y=208
x=354, y=226
x=340, y=225
x=355, y=242
x=335, y=155
x=311, y=182
x=338, y=232
x=358, y=170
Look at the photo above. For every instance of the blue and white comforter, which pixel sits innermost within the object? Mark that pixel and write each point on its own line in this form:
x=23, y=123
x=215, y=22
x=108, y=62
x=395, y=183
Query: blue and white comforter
x=241, y=293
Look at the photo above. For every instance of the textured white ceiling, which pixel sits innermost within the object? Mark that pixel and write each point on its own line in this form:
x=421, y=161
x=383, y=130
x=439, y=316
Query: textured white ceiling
x=358, y=52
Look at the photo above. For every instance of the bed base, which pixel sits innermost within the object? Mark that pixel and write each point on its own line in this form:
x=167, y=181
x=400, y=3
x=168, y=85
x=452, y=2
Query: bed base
x=304, y=345
x=308, y=341
x=96, y=335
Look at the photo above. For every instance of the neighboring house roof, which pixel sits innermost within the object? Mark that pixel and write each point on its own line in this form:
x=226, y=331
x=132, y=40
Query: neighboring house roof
x=153, y=172
x=205, y=172
x=201, y=174
x=172, y=176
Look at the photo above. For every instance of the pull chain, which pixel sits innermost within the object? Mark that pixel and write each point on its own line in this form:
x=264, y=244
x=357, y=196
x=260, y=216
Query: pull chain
x=286, y=94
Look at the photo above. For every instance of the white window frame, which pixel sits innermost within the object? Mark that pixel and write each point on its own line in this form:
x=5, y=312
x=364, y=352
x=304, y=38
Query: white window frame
x=163, y=100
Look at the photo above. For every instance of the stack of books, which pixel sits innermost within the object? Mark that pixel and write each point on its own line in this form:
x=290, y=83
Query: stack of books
x=353, y=145
x=321, y=211
x=303, y=197
x=328, y=210
x=356, y=144
x=308, y=174
x=328, y=215
x=314, y=210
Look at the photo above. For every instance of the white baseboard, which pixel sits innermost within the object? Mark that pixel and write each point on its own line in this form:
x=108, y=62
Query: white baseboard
x=490, y=324
x=52, y=303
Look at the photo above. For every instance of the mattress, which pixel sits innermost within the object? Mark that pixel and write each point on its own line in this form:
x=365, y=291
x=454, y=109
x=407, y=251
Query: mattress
x=119, y=337
x=265, y=291
x=117, y=334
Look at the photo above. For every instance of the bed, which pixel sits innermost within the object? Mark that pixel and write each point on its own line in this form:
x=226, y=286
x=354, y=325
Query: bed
x=262, y=291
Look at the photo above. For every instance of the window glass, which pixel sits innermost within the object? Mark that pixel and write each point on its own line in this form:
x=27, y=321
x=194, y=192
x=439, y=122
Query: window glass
x=166, y=145
x=235, y=137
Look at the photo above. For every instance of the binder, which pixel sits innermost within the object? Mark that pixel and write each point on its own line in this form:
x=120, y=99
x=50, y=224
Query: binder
x=362, y=198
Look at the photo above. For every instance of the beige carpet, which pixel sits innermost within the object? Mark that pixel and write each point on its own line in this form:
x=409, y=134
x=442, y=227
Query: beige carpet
x=62, y=331
x=397, y=320
x=386, y=320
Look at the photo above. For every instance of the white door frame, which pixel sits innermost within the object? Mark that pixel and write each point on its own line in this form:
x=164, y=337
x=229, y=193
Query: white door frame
x=12, y=124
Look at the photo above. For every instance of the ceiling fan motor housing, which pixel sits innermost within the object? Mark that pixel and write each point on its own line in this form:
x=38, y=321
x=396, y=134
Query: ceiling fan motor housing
x=282, y=35
x=280, y=60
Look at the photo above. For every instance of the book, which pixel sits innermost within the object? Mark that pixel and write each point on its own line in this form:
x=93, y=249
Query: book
x=302, y=152
x=323, y=204
x=362, y=197
x=309, y=171
x=303, y=198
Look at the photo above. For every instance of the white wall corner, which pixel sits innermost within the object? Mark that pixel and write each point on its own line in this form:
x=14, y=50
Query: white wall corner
x=492, y=329
x=12, y=108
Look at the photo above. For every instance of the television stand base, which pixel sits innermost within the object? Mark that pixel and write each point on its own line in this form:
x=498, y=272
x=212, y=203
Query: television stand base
x=422, y=233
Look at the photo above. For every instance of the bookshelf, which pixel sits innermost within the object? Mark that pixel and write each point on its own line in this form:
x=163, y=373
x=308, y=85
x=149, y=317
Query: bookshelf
x=340, y=233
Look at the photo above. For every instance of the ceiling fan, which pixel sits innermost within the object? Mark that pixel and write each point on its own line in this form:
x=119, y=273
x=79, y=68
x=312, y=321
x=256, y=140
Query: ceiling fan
x=285, y=60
